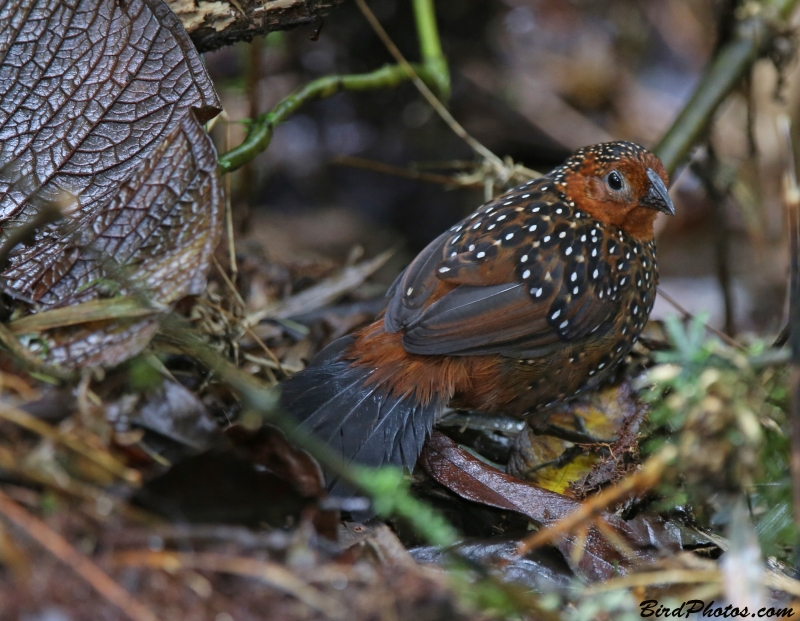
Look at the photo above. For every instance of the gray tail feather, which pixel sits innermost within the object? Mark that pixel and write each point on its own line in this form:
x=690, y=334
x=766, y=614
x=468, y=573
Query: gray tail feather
x=362, y=422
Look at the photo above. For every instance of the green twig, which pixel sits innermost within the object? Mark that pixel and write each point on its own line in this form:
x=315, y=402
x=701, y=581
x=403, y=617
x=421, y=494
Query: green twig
x=259, y=133
x=430, y=46
x=387, y=486
x=753, y=38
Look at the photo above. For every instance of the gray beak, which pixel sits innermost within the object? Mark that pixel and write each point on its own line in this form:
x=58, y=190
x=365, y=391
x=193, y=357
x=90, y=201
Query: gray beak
x=658, y=197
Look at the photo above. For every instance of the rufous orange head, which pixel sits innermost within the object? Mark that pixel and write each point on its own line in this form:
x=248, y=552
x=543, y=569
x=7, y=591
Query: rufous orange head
x=619, y=183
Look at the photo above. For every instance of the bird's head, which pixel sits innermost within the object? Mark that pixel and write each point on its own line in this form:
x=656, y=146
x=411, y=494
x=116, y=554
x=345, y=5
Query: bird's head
x=619, y=183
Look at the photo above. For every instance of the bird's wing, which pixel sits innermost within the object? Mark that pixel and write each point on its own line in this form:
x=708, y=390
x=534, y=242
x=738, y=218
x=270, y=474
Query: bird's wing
x=522, y=277
x=412, y=289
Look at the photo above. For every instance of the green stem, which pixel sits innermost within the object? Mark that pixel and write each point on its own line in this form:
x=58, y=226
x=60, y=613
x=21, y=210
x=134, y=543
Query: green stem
x=431, y=47
x=259, y=133
x=387, y=486
x=753, y=38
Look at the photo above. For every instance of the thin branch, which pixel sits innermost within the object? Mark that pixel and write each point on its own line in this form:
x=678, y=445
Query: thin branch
x=80, y=564
x=791, y=198
x=687, y=315
x=718, y=180
x=408, y=173
x=443, y=112
x=430, y=46
x=259, y=134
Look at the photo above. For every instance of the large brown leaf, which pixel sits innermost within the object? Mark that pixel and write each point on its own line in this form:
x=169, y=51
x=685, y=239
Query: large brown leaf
x=154, y=240
x=100, y=105
x=595, y=557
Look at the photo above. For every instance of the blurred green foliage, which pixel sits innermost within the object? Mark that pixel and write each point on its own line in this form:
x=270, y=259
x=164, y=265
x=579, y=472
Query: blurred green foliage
x=728, y=414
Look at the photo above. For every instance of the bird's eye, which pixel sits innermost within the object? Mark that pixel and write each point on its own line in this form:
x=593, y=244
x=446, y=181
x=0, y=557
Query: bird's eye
x=614, y=180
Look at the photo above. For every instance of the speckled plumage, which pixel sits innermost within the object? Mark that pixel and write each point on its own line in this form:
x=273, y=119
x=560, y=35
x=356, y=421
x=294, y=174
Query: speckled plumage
x=532, y=299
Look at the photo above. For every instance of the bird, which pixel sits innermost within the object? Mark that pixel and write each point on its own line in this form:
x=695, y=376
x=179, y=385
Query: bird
x=532, y=300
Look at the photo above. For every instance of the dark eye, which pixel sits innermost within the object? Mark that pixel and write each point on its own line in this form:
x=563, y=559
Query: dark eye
x=614, y=180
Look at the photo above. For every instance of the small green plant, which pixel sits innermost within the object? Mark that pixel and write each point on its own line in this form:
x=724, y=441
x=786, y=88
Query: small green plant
x=726, y=412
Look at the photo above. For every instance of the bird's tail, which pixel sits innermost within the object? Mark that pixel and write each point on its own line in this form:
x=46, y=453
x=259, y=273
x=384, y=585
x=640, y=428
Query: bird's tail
x=362, y=421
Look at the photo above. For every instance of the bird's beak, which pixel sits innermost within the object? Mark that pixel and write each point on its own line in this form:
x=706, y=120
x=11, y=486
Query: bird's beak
x=657, y=196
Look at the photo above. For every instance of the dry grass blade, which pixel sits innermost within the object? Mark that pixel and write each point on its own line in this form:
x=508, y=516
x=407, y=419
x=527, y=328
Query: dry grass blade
x=323, y=293
x=772, y=579
x=654, y=578
x=643, y=479
x=93, y=310
x=268, y=572
x=101, y=458
x=80, y=564
x=781, y=582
